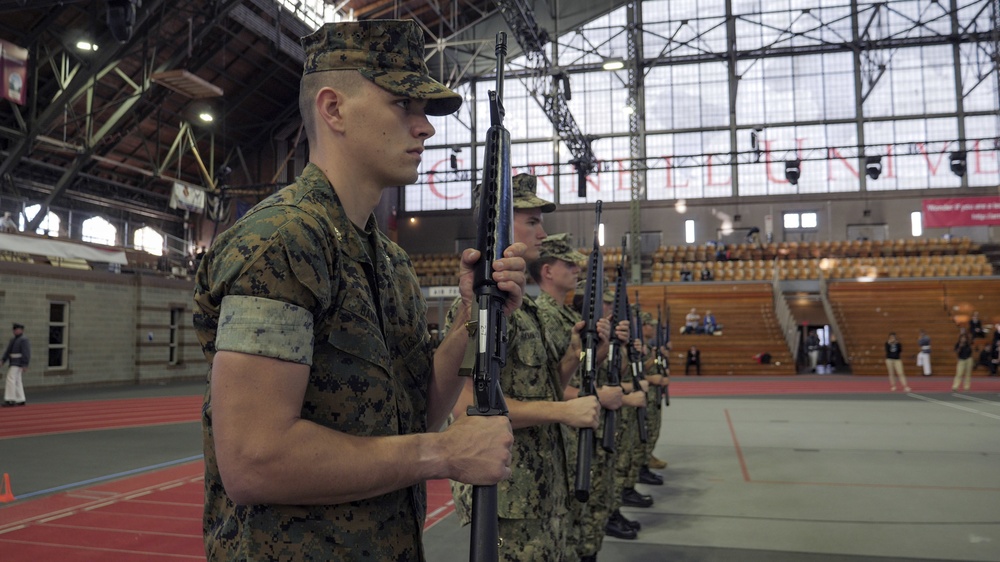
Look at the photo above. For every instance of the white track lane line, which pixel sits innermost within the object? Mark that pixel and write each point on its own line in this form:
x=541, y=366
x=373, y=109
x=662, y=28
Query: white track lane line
x=956, y=406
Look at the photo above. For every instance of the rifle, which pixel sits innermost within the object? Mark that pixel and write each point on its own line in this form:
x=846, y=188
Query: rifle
x=496, y=214
x=620, y=312
x=635, y=362
x=592, y=311
x=662, y=339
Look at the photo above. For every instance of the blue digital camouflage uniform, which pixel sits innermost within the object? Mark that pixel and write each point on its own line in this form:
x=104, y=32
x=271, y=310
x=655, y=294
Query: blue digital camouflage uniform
x=290, y=280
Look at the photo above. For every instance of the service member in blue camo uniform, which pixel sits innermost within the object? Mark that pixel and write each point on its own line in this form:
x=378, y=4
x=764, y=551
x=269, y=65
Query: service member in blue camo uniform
x=322, y=413
x=533, y=501
x=556, y=272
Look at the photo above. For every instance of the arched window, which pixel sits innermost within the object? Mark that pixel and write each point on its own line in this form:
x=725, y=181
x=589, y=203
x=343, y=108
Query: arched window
x=97, y=230
x=49, y=225
x=148, y=240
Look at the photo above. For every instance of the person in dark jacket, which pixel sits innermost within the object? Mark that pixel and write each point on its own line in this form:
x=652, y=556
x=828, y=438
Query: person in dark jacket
x=693, y=358
x=18, y=352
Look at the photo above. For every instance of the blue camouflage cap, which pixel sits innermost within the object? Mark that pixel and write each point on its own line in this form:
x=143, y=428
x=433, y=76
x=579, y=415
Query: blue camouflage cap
x=390, y=53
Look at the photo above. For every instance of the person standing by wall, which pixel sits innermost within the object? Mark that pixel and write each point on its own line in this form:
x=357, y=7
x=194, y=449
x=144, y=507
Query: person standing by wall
x=18, y=352
x=924, y=355
x=812, y=348
x=893, y=363
x=963, y=368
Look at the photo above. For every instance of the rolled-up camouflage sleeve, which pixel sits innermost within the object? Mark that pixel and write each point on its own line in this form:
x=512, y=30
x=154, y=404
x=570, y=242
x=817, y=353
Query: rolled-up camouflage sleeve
x=265, y=327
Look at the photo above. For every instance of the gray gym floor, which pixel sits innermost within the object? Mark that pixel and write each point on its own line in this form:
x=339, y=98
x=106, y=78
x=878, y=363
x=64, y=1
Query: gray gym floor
x=863, y=477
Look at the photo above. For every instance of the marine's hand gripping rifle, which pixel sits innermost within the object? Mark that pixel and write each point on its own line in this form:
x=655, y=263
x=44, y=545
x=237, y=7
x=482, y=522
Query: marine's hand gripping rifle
x=592, y=311
x=496, y=214
x=616, y=351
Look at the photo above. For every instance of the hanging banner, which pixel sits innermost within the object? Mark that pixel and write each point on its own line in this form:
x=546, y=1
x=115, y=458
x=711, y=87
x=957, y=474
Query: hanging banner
x=964, y=211
x=13, y=72
x=188, y=198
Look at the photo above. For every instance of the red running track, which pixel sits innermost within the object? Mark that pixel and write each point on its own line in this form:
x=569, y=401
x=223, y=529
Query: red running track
x=90, y=415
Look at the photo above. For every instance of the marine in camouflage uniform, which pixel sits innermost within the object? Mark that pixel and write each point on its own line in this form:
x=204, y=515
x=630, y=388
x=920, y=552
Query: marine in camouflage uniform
x=296, y=280
x=533, y=501
x=558, y=319
x=654, y=410
x=557, y=322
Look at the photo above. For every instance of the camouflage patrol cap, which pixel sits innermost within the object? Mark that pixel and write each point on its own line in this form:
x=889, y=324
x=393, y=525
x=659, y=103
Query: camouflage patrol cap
x=524, y=188
x=390, y=53
x=559, y=246
x=646, y=317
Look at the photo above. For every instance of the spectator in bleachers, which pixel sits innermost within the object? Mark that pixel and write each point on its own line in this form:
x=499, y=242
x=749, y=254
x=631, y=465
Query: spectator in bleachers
x=924, y=355
x=963, y=368
x=706, y=274
x=693, y=358
x=710, y=326
x=893, y=363
x=691, y=322
x=976, y=326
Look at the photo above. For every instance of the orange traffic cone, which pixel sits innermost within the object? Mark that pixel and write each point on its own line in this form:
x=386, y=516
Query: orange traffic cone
x=7, y=495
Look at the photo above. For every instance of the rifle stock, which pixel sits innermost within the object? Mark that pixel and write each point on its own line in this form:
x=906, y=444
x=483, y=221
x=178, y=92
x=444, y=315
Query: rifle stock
x=592, y=311
x=495, y=224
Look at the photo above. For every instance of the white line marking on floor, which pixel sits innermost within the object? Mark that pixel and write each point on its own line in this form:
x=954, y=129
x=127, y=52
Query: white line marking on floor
x=956, y=406
x=977, y=399
x=60, y=516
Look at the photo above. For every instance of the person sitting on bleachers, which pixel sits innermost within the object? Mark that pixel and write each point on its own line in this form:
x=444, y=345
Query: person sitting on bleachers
x=976, y=326
x=706, y=274
x=710, y=326
x=691, y=322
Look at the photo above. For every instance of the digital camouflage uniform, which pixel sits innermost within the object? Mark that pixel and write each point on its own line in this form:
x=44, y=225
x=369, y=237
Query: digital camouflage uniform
x=291, y=281
x=532, y=503
x=654, y=409
x=295, y=280
x=586, y=520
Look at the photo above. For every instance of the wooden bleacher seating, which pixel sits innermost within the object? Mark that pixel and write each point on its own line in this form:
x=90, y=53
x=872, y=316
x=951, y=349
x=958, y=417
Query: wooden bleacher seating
x=745, y=310
x=853, y=259
x=867, y=312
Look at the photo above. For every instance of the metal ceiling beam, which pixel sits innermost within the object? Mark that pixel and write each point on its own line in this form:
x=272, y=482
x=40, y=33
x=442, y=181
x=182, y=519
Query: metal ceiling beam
x=521, y=20
x=80, y=83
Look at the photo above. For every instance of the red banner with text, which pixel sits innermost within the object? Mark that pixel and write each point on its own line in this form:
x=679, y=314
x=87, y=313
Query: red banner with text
x=965, y=211
x=13, y=72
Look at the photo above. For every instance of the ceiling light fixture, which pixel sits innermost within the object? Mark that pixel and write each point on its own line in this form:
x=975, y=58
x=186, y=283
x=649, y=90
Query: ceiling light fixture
x=206, y=117
x=613, y=64
x=86, y=46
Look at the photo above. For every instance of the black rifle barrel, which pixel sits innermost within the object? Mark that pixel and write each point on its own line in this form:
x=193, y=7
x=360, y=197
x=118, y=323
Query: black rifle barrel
x=496, y=215
x=592, y=311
